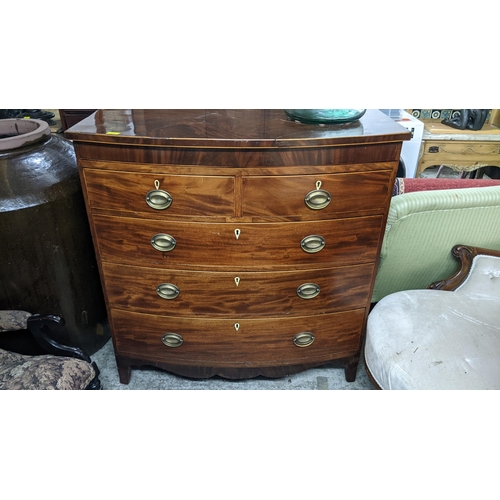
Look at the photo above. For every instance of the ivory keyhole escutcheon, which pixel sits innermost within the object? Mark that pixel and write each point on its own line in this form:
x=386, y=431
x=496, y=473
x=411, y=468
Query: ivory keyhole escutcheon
x=237, y=280
x=236, y=326
x=237, y=233
x=318, y=184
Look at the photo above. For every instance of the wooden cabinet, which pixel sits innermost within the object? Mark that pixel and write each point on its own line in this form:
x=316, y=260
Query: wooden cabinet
x=461, y=150
x=236, y=242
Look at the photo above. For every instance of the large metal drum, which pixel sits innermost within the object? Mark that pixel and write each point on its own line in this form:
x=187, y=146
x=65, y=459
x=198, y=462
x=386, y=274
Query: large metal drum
x=47, y=260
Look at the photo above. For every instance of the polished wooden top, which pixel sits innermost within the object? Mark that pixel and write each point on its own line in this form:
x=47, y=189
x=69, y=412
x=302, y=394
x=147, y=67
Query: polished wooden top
x=228, y=128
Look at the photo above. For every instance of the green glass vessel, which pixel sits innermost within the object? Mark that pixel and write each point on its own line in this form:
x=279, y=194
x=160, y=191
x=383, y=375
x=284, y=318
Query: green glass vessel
x=325, y=115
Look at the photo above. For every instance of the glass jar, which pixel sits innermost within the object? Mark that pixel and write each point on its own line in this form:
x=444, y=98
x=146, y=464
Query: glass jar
x=325, y=115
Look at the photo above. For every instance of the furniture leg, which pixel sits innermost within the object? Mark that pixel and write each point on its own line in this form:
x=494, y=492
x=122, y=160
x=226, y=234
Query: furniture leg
x=350, y=368
x=480, y=173
x=124, y=371
x=439, y=171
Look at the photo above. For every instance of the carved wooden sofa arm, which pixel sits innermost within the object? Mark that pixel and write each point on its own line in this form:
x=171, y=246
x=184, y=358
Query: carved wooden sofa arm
x=465, y=254
x=64, y=367
x=444, y=337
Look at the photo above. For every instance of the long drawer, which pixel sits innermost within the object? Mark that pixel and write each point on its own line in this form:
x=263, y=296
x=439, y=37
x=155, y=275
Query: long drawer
x=235, y=342
x=288, y=293
x=238, y=246
x=192, y=195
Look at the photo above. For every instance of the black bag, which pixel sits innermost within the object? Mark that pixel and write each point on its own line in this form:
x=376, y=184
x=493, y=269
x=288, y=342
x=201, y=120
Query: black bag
x=468, y=119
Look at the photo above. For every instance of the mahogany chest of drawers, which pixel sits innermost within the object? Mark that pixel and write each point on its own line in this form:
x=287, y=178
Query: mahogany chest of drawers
x=236, y=243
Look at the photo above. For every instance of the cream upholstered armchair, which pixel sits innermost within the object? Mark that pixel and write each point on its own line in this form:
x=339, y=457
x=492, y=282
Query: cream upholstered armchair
x=443, y=337
x=63, y=367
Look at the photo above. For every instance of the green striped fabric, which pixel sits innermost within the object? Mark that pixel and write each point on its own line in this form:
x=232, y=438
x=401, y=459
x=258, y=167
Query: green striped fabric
x=422, y=228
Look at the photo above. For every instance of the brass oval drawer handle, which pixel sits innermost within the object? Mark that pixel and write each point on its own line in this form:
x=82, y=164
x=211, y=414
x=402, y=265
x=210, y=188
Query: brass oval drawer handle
x=308, y=290
x=303, y=339
x=167, y=291
x=313, y=243
x=318, y=199
x=163, y=242
x=172, y=340
x=158, y=199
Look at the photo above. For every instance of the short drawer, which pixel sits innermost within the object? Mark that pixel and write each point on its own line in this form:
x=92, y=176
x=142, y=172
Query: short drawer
x=287, y=293
x=235, y=341
x=317, y=196
x=238, y=246
x=158, y=194
x=475, y=150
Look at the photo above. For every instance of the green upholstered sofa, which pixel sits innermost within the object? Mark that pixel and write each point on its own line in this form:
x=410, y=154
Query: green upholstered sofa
x=427, y=217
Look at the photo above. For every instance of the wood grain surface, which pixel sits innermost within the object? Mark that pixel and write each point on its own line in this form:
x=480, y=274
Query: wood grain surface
x=239, y=184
